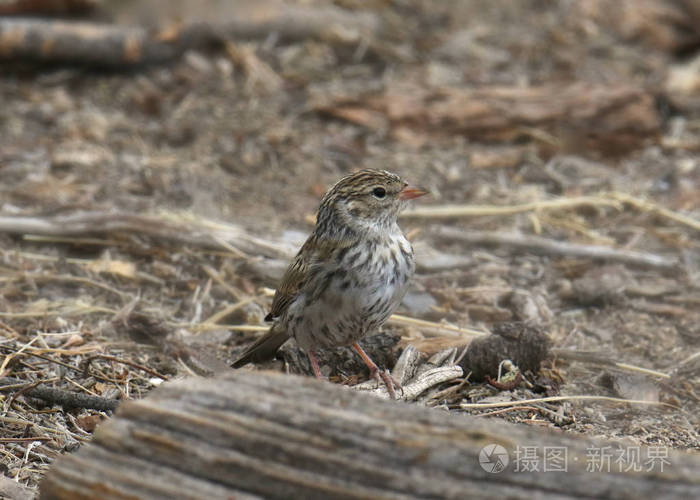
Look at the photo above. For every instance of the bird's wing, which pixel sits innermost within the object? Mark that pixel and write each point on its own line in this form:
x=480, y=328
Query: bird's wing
x=315, y=255
x=289, y=287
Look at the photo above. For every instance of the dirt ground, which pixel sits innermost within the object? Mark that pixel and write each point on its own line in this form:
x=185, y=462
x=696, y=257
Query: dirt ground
x=252, y=135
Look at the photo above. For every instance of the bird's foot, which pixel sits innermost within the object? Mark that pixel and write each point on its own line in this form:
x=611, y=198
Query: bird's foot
x=314, y=365
x=390, y=382
x=377, y=374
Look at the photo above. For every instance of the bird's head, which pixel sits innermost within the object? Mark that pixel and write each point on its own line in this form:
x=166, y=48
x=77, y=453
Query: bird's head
x=368, y=199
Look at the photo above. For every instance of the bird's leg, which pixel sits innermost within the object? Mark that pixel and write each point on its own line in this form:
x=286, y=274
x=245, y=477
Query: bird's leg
x=314, y=364
x=376, y=373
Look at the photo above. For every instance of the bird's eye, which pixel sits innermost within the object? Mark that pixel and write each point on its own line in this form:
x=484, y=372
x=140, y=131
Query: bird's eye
x=379, y=192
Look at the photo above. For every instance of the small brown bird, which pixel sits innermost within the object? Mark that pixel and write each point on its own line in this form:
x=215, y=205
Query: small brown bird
x=350, y=274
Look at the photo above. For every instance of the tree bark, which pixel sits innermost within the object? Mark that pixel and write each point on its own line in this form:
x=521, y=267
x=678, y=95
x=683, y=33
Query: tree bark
x=259, y=434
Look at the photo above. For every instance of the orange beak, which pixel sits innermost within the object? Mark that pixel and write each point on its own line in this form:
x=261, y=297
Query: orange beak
x=409, y=192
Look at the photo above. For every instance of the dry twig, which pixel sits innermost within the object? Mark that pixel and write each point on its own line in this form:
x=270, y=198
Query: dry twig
x=553, y=247
x=25, y=439
x=472, y=406
x=60, y=397
x=153, y=373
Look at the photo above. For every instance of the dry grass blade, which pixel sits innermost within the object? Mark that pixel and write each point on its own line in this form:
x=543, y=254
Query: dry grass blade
x=647, y=206
x=11, y=356
x=35, y=426
x=216, y=317
x=398, y=319
x=216, y=276
x=200, y=327
x=11, y=332
x=593, y=358
x=509, y=409
x=78, y=310
x=442, y=211
x=616, y=200
x=257, y=71
x=550, y=399
x=40, y=356
x=133, y=364
x=66, y=279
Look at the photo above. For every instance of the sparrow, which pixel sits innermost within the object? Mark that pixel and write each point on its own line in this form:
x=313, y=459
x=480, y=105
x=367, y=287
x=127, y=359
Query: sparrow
x=348, y=277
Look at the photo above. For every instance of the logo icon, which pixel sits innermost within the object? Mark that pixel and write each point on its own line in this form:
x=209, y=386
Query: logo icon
x=493, y=458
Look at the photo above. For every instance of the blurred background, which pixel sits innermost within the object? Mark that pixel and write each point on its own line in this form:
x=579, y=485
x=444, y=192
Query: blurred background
x=160, y=162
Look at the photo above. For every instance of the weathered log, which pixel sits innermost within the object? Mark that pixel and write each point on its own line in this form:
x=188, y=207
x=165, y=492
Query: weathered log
x=250, y=434
x=13, y=489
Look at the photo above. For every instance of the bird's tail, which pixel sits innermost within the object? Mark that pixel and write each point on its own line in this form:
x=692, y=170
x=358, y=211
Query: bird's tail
x=264, y=348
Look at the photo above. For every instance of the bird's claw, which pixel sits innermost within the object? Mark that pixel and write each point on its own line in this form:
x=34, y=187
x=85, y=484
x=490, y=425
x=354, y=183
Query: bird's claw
x=389, y=381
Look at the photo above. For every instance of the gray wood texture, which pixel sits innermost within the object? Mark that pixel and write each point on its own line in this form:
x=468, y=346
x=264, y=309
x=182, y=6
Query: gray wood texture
x=253, y=434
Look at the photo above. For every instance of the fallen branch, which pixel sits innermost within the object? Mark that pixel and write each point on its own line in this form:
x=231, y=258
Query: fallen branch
x=108, y=45
x=610, y=118
x=538, y=244
x=175, y=227
x=60, y=397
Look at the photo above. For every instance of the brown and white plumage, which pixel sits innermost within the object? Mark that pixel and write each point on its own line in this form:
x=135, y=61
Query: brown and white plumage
x=350, y=274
